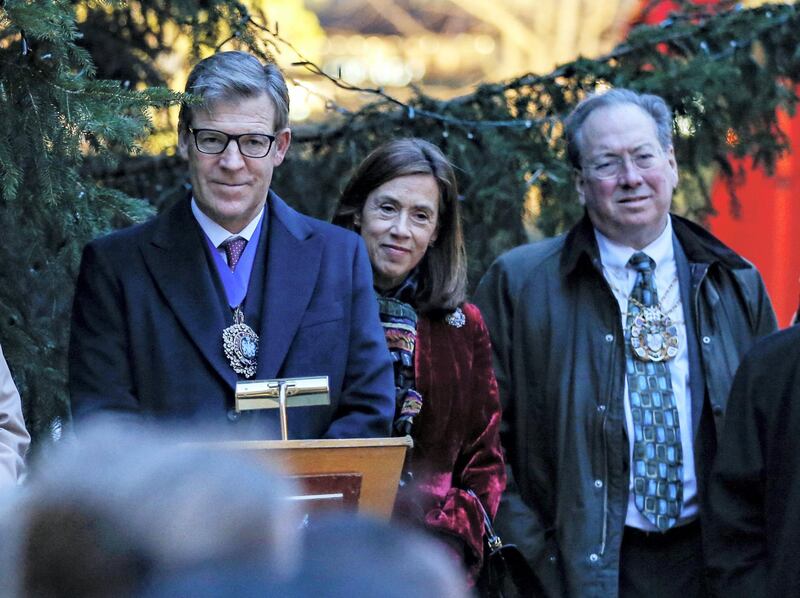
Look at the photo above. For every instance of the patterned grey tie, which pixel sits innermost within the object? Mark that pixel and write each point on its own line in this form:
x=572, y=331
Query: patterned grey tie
x=233, y=250
x=657, y=452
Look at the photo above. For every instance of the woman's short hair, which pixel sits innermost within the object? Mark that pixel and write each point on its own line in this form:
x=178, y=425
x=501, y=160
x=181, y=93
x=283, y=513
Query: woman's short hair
x=651, y=104
x=232, y=76
x=443, y=270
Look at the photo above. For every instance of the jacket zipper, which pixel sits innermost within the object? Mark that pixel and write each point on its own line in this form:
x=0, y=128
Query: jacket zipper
x=605, y=485
x=696, y=295
x=604, y=533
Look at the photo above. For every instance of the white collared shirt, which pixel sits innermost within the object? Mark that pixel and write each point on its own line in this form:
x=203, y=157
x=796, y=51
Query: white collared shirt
x=621, y=278
x=218, y=234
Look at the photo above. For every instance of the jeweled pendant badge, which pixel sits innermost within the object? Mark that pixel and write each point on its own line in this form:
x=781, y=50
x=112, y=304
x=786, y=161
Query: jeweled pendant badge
x=654, y=337
x=241, y=345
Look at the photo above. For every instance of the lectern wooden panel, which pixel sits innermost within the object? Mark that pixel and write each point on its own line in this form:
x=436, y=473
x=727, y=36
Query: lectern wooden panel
x=378, y=462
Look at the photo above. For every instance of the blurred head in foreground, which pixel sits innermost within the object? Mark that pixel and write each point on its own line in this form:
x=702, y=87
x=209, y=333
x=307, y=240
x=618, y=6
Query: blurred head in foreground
x=105, y=515
x=343, y=555
x=375, y=559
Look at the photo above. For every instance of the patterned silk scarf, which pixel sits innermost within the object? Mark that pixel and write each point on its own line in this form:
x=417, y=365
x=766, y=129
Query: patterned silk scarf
x=399, y=320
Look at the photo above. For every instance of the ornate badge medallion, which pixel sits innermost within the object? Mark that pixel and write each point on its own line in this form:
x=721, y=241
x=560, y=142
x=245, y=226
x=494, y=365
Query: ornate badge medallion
x=654, y=337
x=241, y=345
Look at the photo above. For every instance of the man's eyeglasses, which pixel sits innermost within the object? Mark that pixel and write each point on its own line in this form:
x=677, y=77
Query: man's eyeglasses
x=251, y=145
x=610, y=167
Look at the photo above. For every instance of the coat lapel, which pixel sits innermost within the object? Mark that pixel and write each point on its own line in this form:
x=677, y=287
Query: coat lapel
x=177, y=262
x=293, y=261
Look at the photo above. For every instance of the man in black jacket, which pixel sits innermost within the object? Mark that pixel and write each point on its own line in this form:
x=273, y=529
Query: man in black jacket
x=615, y=347
x=753, y=523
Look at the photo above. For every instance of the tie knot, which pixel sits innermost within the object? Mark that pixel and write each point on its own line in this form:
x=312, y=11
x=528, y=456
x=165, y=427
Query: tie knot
x=644, y=289
x=233, y=250
x=641, y=262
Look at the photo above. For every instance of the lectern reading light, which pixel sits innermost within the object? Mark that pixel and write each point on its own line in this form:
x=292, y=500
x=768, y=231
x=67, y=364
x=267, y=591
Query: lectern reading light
x=281, y=393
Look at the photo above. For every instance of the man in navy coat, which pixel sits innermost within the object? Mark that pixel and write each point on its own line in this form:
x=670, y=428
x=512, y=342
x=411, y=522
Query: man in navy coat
x=230, y=284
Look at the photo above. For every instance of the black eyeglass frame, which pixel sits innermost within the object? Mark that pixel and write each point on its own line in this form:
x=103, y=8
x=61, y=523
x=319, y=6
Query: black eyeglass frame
x=230, y=138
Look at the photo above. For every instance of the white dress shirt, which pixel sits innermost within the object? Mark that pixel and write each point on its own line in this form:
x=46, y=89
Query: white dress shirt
x=218, y=234
x=621, y=278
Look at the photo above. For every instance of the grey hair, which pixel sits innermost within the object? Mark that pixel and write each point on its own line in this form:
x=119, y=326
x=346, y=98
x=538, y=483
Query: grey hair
x=232, y=76
x=651, y=104
x=146, y=502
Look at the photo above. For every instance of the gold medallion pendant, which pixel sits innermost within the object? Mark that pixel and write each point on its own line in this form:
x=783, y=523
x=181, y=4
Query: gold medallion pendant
x=241, y=345
x=654, y=337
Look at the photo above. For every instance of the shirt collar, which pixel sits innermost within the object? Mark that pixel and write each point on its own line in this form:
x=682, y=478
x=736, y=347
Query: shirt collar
x=218, y=234
x=615, y=255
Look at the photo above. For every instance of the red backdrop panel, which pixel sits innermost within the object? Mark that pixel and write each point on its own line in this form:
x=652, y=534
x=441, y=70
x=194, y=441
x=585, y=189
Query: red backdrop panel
x=767, y=229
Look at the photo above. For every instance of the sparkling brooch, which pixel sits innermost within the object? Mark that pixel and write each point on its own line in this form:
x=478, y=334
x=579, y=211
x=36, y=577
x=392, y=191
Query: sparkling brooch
x=457, y=319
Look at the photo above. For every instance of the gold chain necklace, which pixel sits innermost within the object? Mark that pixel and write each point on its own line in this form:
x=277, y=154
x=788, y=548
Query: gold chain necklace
x=652, y=334
x=666, y=312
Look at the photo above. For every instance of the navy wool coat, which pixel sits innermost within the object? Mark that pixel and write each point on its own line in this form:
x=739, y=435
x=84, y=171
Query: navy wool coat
x=149, y=313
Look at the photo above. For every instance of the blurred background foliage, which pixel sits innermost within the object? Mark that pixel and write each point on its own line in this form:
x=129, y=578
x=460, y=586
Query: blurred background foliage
x=89, y=142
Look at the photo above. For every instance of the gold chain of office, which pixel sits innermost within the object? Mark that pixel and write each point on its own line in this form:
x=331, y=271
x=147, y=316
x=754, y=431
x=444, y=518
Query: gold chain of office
x=652, y=333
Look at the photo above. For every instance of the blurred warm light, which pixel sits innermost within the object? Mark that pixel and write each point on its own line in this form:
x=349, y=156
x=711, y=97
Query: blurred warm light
x=354, y=71
x=532, y=208
x=684, y=125
x=303, y=101
x=484, y=44
x=602, y=86
x=356, y=44
x=296, y=23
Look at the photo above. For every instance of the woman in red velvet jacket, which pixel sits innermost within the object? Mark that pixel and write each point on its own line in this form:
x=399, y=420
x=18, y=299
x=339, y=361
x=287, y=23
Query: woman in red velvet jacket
x=404, y=203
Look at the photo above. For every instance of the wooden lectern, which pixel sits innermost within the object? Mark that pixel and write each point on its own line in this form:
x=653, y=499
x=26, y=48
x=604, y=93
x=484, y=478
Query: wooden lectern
x=352, y=473
x=360, y=474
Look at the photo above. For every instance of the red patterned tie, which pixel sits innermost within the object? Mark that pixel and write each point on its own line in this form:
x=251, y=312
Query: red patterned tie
x=233, y=250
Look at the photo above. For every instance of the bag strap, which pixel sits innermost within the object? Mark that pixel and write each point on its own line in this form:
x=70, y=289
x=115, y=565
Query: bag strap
x=492, y=539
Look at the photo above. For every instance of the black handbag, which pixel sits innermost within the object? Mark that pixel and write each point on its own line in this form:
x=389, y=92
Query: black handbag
x=505, y=572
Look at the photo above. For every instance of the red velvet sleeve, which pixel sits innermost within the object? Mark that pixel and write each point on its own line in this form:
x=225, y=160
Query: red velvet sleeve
x=479, y=464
